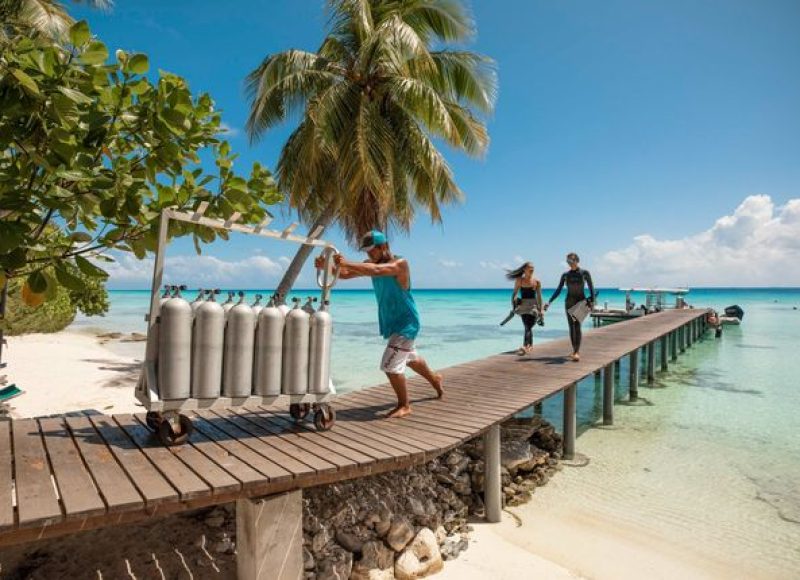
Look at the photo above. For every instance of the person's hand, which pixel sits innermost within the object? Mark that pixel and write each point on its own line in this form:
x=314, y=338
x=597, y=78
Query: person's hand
x=546, y=306
x=319, y=262
x=338, y=259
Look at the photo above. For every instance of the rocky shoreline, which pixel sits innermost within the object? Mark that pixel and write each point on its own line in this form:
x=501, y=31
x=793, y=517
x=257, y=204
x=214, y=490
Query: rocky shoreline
x=401, y=524
x=405, y=524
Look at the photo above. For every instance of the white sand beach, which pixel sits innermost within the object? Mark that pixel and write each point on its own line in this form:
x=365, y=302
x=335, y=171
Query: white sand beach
x=72, y=371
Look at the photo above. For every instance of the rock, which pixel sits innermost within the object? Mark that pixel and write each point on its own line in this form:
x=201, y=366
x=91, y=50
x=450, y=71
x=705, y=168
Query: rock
x=215, y=521
x=225, y=545
x=460, y=467
x=416, y=506
x=441, y=535
x=349, y=541
x=337, y=566
x=463, y=485
x=515, y=453
x=308, y=560
x=376, y=563
x=400, y=534
x=319, y=541
x=421, y=558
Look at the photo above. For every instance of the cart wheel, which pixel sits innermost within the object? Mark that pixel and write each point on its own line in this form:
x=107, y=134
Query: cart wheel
x=170, y=436
x=153, y=420
x=299, y=411
x=324, y=417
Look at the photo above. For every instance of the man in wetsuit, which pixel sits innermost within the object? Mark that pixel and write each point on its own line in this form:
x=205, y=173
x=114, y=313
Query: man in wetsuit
x=398, y=318
x=575, y=278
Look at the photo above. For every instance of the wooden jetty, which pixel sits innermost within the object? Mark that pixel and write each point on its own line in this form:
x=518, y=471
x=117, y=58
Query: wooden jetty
x=61, y=475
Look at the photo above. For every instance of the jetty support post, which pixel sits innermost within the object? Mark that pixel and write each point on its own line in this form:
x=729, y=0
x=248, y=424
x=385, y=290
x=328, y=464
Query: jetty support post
x=633, y=376
x=492, y=489
x=570, y=420
x=673, y=344
x=690, y=333
x=608, y=395
x=682, y=338
x=537, y=408
x=617, y=367
x=269, y=537
x=663, y=352
x=651, y=362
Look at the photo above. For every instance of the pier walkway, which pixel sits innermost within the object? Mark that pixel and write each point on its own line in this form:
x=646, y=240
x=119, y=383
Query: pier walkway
x=64, y=474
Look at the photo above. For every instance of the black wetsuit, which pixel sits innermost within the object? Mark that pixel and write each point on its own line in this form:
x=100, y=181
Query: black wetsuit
x=529, y=320
x=575, y=281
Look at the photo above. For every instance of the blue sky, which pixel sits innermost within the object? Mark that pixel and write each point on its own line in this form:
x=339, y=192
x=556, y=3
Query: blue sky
x=659, y=140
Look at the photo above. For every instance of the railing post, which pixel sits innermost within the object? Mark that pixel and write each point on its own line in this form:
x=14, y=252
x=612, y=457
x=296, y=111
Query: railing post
x=633, y=376
x=570, y=420
x=269, y=537
x=608, y=395
x=663, y=353
x=651, y=362
x=492, y=490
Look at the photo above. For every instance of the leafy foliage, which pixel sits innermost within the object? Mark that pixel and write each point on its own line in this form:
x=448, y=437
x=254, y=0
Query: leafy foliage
x=51, y=316
x=374, y=100
x=48, y=17
x=92, y=151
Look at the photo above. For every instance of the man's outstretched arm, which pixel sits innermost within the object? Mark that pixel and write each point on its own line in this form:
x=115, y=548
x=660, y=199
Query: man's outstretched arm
x=355, y=269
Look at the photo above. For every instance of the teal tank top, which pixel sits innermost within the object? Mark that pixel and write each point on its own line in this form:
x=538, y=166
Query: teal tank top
x=397, y=311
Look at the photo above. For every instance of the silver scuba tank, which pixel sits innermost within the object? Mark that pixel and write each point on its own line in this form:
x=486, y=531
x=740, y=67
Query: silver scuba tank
x=309, y=305
x=295, y=351
x=319, y=354
x=269, y=351
x=237, y=373
x=257, y=306
x=229, y=303
x=280, y=303
x=208, y=335
x=199, y=300
x=175, y=348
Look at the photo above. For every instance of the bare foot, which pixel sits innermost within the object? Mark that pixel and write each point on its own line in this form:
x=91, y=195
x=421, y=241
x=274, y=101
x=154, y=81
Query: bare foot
x=521, y=351
x=399, y=412
x=438, y=385
x=575, y=356
x=528, y=349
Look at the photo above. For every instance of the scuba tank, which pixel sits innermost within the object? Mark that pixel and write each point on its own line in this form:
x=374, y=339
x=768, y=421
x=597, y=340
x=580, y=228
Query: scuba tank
x=152, y=337
x=280, y=303
x=309, y=305
x=228, y=304
x=295, y=351
x=237, y=373
x=268, y=353
x=257, y=306
x=199, y=300
x=207, y=348
x=175, y=348
x=319, y=356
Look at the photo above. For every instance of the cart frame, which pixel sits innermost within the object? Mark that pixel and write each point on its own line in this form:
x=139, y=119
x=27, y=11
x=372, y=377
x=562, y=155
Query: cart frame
x=147, y=387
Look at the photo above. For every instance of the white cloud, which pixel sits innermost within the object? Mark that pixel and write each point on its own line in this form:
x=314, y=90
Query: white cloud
x=228, y=131
x=758, y=245
x=449, y=263
x=204, y=271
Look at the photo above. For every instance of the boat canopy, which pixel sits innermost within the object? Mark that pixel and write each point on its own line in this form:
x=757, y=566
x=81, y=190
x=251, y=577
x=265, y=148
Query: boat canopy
x=678, y=291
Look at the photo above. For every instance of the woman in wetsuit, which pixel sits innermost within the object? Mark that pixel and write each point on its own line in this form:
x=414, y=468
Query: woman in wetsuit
x=528, y=288
x=575, y=278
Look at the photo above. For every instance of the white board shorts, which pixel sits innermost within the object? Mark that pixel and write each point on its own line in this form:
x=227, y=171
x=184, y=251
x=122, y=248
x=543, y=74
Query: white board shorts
x=399, y=352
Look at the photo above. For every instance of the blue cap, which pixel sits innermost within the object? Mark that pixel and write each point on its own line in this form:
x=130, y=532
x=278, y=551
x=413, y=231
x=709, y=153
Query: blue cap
x=373, y=238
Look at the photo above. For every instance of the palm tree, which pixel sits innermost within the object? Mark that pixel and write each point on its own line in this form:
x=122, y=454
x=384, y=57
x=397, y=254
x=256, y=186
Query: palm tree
x=372, y=103
x=47, y=17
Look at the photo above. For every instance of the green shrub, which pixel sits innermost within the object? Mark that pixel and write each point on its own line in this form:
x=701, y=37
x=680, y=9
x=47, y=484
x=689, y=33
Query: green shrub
x=53, y=315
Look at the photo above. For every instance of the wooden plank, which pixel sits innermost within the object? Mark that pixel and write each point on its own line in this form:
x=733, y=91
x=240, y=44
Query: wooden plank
x=355, y=455
x=148, y=480
x=249, y=434
x=219, y=480
x=270, y=470
x=264, y=428
x=37, y=504
x=6, y=473
x=113, y=484
x=75, y=486
x=184, y=480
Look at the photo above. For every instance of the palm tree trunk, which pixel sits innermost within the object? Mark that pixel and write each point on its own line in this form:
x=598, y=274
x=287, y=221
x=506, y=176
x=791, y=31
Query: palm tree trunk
x=299, y=260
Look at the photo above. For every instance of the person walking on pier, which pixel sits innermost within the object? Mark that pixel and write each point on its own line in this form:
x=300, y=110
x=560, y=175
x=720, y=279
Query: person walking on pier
x=575, y=279
x=398, y=318
x=529, y=305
